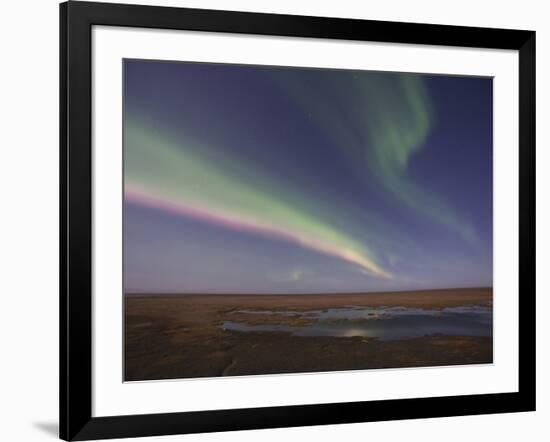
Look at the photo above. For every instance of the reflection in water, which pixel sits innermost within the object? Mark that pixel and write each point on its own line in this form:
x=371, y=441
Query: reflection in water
x=385, y=323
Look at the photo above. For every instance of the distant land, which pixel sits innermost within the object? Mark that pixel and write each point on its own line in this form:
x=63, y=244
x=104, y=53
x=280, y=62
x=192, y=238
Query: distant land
x=377, y=292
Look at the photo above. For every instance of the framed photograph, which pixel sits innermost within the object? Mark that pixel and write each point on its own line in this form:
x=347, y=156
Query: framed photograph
x=272, y=221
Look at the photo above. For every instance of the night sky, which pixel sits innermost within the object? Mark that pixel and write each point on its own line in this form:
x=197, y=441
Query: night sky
x=256, y=179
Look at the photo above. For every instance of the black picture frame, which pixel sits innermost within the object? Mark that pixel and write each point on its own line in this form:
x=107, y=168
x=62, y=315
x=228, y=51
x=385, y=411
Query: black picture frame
x=76, y=21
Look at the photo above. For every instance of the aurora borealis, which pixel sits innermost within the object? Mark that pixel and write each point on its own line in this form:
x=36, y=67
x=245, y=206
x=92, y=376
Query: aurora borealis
x=244, y=179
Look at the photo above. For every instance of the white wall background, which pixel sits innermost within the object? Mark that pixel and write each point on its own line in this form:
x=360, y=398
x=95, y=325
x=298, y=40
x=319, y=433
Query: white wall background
x=29, y=218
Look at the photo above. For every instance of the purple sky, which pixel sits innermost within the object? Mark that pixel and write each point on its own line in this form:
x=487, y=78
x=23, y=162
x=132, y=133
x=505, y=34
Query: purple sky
x=243, y=179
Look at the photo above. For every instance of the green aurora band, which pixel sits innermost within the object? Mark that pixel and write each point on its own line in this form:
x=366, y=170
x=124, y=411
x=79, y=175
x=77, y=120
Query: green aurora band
x=382, y=120
x=178, y=176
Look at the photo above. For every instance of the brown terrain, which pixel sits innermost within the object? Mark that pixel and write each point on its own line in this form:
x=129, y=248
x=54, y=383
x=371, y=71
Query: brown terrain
x=182, y=336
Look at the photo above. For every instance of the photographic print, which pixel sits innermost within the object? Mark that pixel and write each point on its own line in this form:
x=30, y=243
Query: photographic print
x=292, y=220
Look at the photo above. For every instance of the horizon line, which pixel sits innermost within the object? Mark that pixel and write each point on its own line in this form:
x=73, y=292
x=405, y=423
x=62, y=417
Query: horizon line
x=299, y=294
